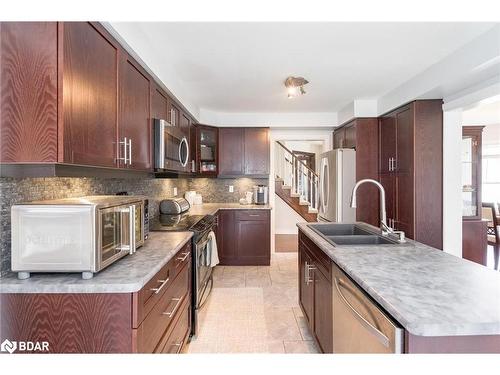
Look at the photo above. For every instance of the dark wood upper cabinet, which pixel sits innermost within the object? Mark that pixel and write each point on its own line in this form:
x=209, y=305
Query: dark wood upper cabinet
x=404, y=141
x=411, y=163
x=71, y=94
x=89, y=95
x=345, y=136
x=350, y=137
x=205, y=150
x=387, y=153
x=159, y=103
x=184, y=123
x=338, y=138
x=362, y=135
x=134, y=122
x=243, y=151
x=173, y=113
x=28, y=109
x=231, y=152
x=256, y=151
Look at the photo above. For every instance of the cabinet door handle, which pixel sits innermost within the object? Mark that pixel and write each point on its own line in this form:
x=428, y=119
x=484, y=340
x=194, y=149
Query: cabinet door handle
x=390, y=168
x=183, y=257
x=163, y=283
x=125, y=150
x=178, y=345
x=308, y=268
x=130, y=151
x=171, y=313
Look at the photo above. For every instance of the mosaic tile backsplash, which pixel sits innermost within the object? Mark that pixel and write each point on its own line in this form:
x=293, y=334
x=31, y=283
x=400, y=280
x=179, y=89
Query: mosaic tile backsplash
x=14, y=191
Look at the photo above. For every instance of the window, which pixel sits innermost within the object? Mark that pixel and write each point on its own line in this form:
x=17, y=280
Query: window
x=491, y=173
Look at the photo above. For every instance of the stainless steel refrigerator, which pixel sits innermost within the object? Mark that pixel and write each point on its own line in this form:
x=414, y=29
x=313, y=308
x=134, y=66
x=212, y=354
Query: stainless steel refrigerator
x=336, y=181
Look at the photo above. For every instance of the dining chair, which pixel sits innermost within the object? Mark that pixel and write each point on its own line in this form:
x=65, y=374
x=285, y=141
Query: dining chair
x=490, y=213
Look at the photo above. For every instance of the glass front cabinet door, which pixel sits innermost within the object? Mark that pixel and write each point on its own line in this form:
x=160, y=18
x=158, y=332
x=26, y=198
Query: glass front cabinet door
x=471, y=172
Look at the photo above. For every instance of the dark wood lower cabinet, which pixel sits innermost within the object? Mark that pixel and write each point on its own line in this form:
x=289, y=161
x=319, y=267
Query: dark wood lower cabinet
x=244, y=237
x=141, y=322
x=70, y=323
x=315, y=292
x=475, y=241
x=306, y=287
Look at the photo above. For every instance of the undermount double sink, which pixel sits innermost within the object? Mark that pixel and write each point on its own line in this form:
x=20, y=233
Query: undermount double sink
x=349, y=234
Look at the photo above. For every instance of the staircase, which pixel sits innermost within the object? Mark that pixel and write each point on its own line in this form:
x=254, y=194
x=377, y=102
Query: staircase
x=296, y=183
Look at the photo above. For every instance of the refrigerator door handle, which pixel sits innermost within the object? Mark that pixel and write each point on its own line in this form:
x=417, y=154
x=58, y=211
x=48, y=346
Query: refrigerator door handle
x=326, y=179
x=321, y=176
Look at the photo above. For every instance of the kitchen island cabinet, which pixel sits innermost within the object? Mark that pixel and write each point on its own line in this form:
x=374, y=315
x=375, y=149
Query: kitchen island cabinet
x=399, y=309
x=315, y=292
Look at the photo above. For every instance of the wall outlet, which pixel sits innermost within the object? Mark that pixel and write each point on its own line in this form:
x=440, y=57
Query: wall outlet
x=231, y=188
x=175, y=191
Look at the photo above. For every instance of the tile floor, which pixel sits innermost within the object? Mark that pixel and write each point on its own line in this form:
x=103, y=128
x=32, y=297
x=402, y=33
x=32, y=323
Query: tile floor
x=254, y=310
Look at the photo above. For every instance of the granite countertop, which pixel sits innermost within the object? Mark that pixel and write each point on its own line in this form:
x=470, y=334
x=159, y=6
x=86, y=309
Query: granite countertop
x=127, y=275
x=429, y=292
x=212, y=208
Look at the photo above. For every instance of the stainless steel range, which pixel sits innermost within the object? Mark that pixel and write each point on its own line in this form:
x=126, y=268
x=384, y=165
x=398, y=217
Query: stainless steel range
x=201, y=225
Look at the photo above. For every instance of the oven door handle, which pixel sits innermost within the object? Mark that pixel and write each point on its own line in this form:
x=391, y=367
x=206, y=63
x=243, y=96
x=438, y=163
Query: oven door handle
x=206, y=293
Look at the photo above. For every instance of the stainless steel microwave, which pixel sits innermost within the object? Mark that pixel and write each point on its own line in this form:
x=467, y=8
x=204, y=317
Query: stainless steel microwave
x=171, y=147
x=76, y=234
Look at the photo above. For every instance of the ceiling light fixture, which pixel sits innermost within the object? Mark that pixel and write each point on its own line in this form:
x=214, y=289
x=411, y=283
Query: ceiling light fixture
x=295, y=86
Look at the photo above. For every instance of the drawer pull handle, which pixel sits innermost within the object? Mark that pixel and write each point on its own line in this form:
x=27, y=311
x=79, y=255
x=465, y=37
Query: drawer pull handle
x=254, y=215
x=171, y=313
x=163, y=283
x=178, y=345
x=184, y=257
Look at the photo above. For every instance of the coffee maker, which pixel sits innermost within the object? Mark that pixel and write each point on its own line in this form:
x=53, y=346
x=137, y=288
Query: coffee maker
x=260, y=194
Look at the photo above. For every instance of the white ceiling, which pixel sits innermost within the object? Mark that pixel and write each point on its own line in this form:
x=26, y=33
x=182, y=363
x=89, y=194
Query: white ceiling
x=240, y=67
x=485, y=113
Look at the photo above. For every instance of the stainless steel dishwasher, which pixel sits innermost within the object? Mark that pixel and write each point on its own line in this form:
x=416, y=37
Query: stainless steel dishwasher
x=359, y=325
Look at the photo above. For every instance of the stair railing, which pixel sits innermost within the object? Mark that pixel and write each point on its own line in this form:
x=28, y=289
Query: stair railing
x=303, y=181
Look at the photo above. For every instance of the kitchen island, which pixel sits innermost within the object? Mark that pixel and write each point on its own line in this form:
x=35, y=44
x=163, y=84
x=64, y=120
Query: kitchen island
x=444, y=303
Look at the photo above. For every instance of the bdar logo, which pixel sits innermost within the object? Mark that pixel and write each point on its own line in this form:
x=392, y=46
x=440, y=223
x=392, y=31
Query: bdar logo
x=8, y=346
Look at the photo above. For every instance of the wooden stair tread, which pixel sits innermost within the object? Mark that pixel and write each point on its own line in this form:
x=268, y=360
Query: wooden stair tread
x=303, y=208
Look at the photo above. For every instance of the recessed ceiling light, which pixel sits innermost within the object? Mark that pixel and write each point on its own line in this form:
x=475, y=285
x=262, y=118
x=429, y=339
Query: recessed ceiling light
x=295, y=86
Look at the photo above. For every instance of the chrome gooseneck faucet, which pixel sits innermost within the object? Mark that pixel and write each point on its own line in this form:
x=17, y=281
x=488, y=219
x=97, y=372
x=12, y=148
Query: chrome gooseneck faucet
x=386, y=230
